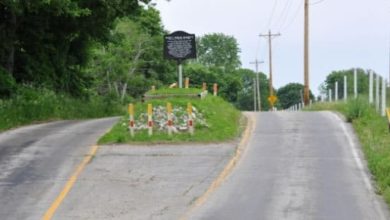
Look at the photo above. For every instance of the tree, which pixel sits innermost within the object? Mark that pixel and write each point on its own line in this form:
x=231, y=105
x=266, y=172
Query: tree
x=246, y=95
x=132, y=61
x=338, y=76
x=47, y=43
x=291, y=94
x=198, y=74
x=219, y=50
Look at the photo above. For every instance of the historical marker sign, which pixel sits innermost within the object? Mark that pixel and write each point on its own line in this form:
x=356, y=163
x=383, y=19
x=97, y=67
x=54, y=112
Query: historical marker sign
x=179, y=46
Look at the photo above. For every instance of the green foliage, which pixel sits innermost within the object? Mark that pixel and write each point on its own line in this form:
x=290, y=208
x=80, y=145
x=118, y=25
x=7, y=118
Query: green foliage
x=29, y=105
x=132, y=62
x=198, y=74
x=218, y=50
x=356, y=108
x=245, y=95
x=374, y=136
x=215, y=110
x=235, y=86
x=46, y=43
x=291, y=94
x=7, y=83
x=338, y=76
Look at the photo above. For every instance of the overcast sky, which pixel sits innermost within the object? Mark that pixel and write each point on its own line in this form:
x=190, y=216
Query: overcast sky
x=343, y=33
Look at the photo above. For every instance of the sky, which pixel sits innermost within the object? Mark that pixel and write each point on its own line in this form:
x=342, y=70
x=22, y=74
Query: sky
x=344, y=34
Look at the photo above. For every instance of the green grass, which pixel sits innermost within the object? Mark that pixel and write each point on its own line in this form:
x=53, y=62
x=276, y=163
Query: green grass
x=373, y=132
x=174, y=91
x=31, y=105
x=223, y=120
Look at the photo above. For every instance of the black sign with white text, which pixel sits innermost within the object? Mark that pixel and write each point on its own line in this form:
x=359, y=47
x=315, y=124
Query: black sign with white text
x=179, y=46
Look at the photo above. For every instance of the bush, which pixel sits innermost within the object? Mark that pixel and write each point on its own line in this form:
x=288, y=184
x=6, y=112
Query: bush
x=7, y=83
x=29, y=105
x=356, y=108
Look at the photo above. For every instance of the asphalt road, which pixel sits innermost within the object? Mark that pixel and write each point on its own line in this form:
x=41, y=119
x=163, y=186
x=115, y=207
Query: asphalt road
x=297, y=165
x=301, y=165
x=36, y=161
x=44, y=170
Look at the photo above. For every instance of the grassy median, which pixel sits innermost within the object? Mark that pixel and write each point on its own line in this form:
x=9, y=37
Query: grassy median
x=222, y=122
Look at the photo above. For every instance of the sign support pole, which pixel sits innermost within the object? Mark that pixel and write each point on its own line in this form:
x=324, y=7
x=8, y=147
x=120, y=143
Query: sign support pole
x=180, y=73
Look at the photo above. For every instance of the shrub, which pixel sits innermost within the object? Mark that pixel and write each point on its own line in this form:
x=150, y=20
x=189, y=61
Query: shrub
x=356, y=108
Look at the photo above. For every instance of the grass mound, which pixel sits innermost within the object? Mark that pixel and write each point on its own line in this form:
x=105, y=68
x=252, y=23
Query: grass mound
x=222, y=120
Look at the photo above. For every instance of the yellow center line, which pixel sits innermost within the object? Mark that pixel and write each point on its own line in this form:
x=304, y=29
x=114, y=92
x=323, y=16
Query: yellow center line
x=69, y=184
x=243, y=144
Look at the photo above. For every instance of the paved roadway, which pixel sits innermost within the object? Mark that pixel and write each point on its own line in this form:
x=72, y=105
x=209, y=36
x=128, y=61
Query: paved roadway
x=301, y=165
x=36, y=161
x=297, y=166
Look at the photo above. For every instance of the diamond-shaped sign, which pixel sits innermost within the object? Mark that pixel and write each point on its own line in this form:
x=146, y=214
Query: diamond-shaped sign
x=272, y=99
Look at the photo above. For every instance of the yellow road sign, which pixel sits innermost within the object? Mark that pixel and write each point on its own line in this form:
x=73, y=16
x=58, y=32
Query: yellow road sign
x=272, y=99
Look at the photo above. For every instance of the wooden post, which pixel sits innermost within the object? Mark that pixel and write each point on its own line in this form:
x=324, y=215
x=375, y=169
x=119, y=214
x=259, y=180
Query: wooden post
x=215, y=88
x=187, y=83
x=150, y=119
x=131, y=119
x=190, y=120
x=170, y=122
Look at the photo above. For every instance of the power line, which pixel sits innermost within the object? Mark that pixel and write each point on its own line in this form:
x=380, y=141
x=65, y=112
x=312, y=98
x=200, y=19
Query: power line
x=284, y=14
x=272, y=14
x=317, y=2
x=298, y=9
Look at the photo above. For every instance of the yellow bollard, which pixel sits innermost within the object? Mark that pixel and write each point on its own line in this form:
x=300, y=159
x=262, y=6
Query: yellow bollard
x=190, y=120
x=170, y=122
x=150, y=119
x=131, y=119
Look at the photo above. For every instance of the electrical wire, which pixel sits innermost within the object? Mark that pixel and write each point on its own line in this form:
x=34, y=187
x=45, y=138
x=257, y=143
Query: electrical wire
x=284, y=15
x=272, y=14
x=298, y=9
x=317, y=2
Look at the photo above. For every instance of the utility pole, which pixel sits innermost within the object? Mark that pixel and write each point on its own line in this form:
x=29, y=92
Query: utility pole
x=254, y=95
x=257, y=91
x=306, y=95
x=270, y=36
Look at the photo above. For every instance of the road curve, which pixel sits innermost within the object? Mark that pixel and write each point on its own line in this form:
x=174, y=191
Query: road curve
x=37, y=160
x=298, y=165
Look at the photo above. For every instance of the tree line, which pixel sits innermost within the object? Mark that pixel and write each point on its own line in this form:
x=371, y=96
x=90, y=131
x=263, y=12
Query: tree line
x=106, y=48
x=114, y=49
